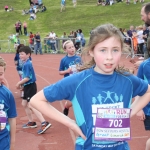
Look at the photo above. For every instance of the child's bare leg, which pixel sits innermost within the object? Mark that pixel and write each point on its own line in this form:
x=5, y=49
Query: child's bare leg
x=27, y=110
x=44, y=124
x=37, y=113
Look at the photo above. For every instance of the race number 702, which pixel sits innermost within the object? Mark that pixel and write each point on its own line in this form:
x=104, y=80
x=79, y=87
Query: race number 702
x=115, y=123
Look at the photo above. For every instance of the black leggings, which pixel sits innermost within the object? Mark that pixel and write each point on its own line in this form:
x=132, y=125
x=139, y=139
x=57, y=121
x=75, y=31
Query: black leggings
x=140, y=48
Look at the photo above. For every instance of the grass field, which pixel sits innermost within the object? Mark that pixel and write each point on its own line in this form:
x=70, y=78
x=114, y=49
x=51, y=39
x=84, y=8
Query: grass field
x=85, y=16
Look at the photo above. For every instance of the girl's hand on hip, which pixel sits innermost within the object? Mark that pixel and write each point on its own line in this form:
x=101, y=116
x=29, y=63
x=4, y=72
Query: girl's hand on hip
x=73, y=126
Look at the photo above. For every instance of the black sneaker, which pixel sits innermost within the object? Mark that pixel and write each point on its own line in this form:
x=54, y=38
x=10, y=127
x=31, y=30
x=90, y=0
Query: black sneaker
x=30, y=125
x=66, y=111
x=44, y=127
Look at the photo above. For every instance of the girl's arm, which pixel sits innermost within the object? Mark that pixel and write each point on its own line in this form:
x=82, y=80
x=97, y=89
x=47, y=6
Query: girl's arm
x=140, y=102
x=12, y=122
x=141, y=115
x=40, y=103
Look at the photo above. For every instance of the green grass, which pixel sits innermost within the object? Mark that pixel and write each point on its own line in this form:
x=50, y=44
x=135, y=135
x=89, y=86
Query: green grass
x=85, y=16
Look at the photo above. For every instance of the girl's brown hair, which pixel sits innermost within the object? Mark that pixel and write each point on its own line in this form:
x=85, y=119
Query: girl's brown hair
x=98, y=35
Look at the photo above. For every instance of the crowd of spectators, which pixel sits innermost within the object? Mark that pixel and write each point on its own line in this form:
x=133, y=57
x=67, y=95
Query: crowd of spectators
x=136, y=37
x=51, y=40
x=111, y=2
x=138, y=34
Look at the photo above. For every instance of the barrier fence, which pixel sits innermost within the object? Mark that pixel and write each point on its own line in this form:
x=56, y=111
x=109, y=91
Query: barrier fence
x=48, y=47
x=7, y=46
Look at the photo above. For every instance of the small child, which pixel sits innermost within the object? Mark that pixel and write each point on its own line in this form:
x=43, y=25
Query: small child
x=8, y=113
x=68, y=66
x=63, y=7
x=144, y=73
x=28, y=83
x=18, y=62
x=11, y=8
x=99, y=95
x=32, y=16
x=6, y=7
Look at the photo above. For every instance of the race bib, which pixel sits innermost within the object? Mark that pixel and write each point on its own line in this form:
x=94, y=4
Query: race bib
x=73, y=69
x=3, y=118
x=112, y=124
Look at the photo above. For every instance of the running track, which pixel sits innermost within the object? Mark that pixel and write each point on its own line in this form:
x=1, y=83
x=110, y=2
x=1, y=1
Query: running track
x=58, y=137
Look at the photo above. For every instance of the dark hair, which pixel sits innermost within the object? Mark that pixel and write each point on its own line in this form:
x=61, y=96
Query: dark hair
x=25, y=49
x=75, y=34
x=147, y=8
x=80, y=31
x=121, y=29
x=18, y=47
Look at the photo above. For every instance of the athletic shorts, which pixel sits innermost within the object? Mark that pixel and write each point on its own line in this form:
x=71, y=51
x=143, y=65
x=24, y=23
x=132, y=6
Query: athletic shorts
x=147, y=122
x=29, y=91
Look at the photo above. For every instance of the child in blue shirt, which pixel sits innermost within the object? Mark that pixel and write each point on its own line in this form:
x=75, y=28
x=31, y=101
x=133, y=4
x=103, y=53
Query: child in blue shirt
x=18, y=62
x=8, y=113
x=102, y=87
x=68, y=66
x=144, y=73
x=28, y=83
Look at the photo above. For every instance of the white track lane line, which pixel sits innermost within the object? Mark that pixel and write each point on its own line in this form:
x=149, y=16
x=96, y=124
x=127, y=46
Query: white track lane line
x=139, y=137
